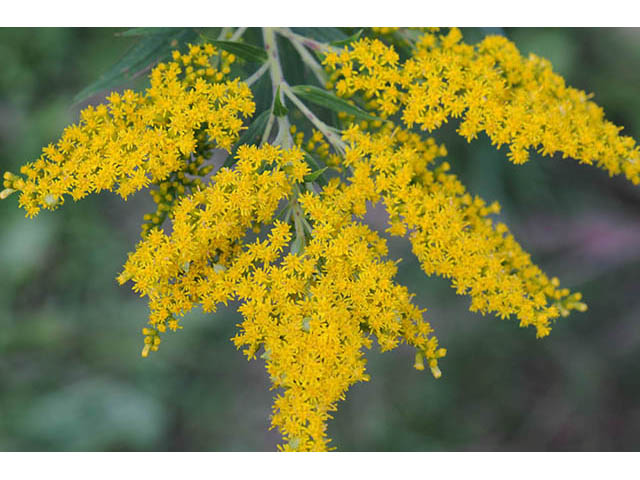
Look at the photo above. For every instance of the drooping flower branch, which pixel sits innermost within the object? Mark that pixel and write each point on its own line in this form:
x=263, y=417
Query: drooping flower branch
x=279, y=228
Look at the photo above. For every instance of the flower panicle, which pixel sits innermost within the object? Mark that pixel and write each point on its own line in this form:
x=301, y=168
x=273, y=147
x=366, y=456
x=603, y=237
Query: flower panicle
x=138, y=139
x=490, y=87
x=280, y=231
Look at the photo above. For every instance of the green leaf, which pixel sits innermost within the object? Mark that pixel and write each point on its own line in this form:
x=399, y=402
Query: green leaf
x=297, y=246
x=313, y=176
x=347, y=41
x=279, y=110
x=251, y=136
x=294, y=68
x=313, y=163
x=315, y=167
x=321, y=34
x=329, y=100
x=243, y=50
x=153, y=46
x=144, y=31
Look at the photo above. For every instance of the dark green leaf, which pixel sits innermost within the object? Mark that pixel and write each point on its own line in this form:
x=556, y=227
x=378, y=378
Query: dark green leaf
x=329, y=100
x=321, y=34
x=293, y=69
x=297, y=246
x=151, y=48
x=315, y=167
x=347, y=41
x=279, y=110
x=251, y=136
x=313, y=163
x=243, y=50
x=144, y=31
x=262, y=93
x=313, y=176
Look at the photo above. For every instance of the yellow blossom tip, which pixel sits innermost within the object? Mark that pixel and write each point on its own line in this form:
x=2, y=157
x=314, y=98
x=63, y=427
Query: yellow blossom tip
x=419, y=361
x=6, y=192
x=581, y=307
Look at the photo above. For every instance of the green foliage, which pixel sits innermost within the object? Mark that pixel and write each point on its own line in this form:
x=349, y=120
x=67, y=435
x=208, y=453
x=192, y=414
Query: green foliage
x=322, y=34
x=243, y=50
x=279, y=110
x=329, y=100
x=154, y=46
x=348, y=40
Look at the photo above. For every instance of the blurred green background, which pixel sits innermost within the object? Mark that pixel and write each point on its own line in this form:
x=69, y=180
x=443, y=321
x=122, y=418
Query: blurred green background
x=71, y=375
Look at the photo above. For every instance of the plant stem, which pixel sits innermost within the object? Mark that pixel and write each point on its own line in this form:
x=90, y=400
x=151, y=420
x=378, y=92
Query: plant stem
x=307, y=42
x=237, y=34
x=277, y=82
x=267, y=130
x=275, y=70
x=223, y=33
x=307, y=58
x=257, y=74
x=325, y=129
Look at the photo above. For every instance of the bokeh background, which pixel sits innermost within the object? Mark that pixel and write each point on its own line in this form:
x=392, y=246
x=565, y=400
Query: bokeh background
x=71, y=375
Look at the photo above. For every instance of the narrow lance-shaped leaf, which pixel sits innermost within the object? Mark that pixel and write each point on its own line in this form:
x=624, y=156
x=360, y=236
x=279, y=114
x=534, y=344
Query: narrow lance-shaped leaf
x=348, y=40
x=321, y=34
x=328, y=100
x=313, y=176
x=145, y=31
x=154, y=45
x=299, y=242
x=279, y=110
x=317, y=172
x=249, y=52
x=297, y=246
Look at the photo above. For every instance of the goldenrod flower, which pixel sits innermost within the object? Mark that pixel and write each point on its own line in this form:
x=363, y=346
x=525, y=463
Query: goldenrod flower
x=137, y=139
x=515, y=100
x=314, y=285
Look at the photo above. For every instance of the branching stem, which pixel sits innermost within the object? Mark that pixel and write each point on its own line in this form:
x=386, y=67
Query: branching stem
x=237, y=34
x=257, y=74
x=306, y=41
x=277, y=83
x=330, y=133
x=307, y=58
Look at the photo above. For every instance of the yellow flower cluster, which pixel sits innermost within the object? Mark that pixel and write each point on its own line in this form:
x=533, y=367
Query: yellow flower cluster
x=452, y=235
x=313, y=314
x=493, y=89
x=316, y=289
x=138, y=139
x=179, y=270
x=312, y=311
